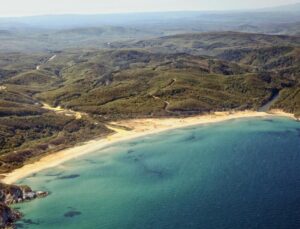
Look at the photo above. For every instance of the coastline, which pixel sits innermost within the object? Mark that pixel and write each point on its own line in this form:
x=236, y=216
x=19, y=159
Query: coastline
x=139, y=128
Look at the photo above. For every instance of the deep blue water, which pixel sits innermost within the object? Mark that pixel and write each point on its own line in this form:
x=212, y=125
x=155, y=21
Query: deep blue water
x=237, y=174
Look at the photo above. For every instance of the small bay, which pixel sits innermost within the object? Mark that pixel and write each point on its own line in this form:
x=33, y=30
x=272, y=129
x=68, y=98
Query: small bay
x=242, y=173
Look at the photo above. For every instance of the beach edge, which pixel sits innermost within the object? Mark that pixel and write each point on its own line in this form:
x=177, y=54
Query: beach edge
x=140, y=128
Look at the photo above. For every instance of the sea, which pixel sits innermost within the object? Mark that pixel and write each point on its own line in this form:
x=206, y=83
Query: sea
x=237, y=174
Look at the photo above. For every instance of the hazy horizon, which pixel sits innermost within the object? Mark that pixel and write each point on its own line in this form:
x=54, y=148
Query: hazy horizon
x=19, y=8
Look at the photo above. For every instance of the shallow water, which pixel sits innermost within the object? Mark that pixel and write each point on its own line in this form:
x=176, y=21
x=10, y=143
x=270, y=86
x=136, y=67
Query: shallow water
x=237, y=174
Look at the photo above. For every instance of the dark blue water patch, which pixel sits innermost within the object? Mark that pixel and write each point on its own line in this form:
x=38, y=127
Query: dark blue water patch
x=71, y=214
x=160, y=137
x=24, y=180
x=148, y=140
x=32, y=175
x=193, y=137
x=50, y=180
x=19, y=225
x=29, y=222
x=108, y=147
x=134, y=143
x=53, y=174
x=138, y=160
x=131, y=158
x=298, y=131
x=26, y=223
x=130, y=151
x=94, y=162
x=148, y=170
x=268, y=120
x=154, y=172
x=72, y=176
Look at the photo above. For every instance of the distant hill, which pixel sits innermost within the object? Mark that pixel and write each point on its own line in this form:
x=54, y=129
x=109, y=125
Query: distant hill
x=284, y=8
x=52, y=33
x=213, y=43
x=166, y=22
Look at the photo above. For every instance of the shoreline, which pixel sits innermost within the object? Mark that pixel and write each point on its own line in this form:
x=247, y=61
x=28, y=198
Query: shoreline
x=139, y=128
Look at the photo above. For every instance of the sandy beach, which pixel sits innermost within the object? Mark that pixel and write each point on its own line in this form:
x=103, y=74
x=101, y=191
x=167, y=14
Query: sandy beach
x=138, y=128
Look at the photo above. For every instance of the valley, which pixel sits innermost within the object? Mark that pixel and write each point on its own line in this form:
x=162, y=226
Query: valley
x=151, y=109
x=75, y=92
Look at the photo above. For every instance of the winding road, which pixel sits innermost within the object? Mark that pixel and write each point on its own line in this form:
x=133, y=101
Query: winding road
x=167, y=104
x=67, y=112
x=38, y=67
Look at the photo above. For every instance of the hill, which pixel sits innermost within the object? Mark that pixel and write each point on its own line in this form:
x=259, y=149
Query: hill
x=178, y=75
x=58, y=32
x=283, y=8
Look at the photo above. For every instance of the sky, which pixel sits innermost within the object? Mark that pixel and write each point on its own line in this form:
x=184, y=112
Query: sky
x=40, y=7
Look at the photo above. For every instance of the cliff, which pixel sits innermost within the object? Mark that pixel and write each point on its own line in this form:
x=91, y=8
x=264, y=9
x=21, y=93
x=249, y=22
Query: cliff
x=11, y=194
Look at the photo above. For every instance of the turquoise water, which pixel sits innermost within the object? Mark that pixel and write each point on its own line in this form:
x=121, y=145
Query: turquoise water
x=237, y=174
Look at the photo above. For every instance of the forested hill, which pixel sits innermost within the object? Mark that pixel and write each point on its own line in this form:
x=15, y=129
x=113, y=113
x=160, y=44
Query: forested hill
x=178, y=75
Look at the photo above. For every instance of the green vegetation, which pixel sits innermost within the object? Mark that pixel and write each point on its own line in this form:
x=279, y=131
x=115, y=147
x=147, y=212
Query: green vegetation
x=170, y=76
x=28, y=131
x=289, y=100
